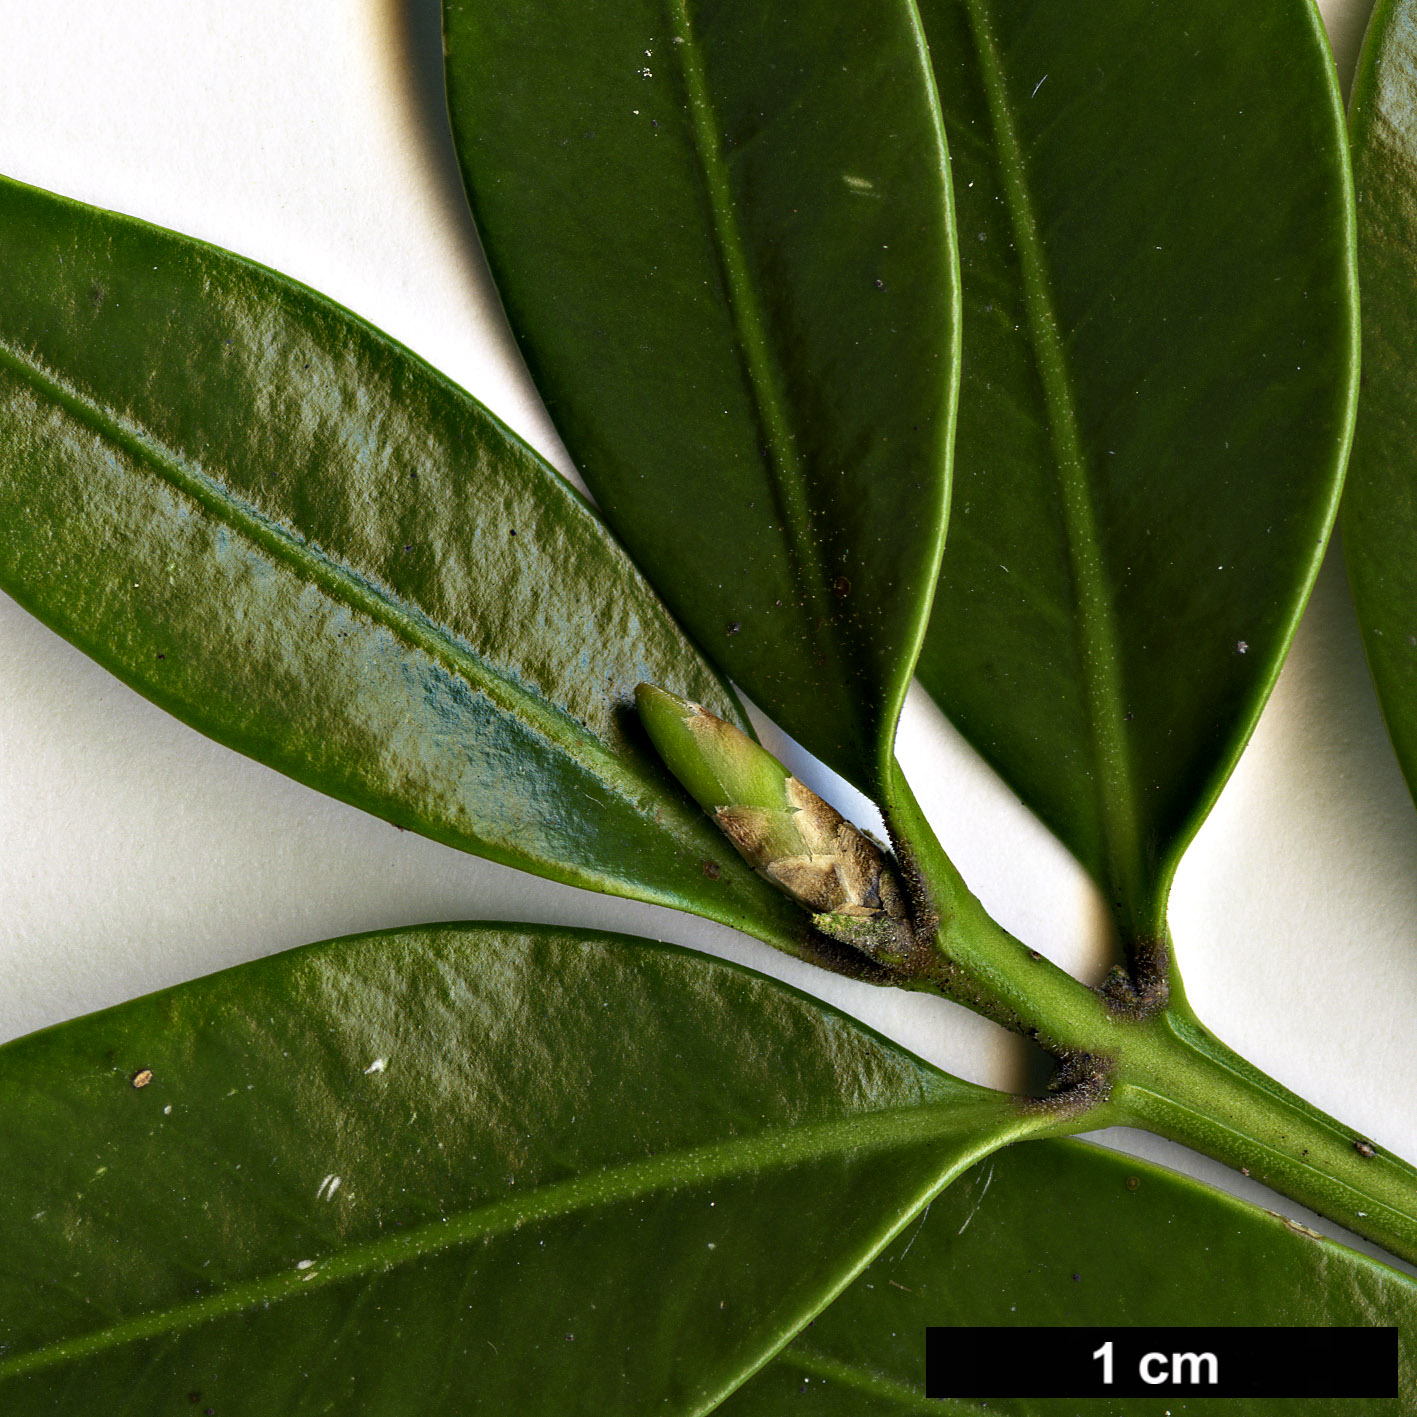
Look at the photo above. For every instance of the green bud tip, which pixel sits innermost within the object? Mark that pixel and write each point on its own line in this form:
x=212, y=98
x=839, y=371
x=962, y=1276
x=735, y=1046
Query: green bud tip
x=719, y=765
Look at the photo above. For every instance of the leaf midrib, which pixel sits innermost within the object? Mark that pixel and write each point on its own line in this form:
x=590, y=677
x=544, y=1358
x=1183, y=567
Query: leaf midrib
x=1095, y=624
x=341, y=582
x=784, y=463
x=770, y=1150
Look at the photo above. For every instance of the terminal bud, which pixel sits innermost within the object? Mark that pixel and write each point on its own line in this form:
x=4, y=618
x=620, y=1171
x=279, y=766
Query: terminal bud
x=781, y=828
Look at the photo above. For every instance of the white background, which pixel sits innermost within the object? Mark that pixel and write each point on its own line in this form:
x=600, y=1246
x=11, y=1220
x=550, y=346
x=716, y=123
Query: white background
x=135, y=854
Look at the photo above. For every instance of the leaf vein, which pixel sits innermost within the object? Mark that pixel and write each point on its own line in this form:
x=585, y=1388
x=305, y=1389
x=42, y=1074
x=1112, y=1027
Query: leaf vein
x=342, y=582
x=782, y=456
x=770, y=1150
x=1095, y=626
x=851, y=1375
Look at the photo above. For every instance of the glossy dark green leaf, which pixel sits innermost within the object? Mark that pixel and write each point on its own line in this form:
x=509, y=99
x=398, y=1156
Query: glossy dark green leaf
x=288, y=531
x=722, y=232
x=1380, y=505
x=1156, y=396
x=451, y=1170
x=1065, y=1234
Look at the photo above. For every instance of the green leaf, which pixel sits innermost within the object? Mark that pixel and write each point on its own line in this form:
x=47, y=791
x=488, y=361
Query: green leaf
x=1380, y=505
x=723, y=236
x=1065, y=1234
x=288, y=531
x=1156, y=397
x=451, y=1170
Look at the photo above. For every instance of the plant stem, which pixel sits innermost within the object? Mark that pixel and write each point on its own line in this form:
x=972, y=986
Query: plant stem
x=1159, y=1069
x=984, y=967
x=1175, y=1078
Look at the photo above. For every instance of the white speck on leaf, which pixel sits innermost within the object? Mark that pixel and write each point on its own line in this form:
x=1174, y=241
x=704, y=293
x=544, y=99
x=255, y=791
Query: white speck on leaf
x=377, y=1066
